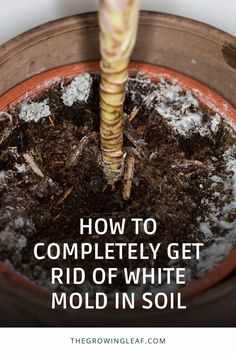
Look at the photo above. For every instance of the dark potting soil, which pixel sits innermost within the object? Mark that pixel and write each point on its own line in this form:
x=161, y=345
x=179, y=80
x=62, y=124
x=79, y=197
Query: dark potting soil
x=52, y=174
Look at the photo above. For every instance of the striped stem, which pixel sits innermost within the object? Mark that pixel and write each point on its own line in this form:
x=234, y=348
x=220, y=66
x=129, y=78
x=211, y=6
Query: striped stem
x=118, y=21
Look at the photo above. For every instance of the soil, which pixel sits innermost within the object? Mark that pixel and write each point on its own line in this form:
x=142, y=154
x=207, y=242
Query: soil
x=184, y=178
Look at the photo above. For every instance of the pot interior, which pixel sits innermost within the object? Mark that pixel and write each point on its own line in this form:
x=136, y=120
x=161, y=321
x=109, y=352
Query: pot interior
x=32, y=87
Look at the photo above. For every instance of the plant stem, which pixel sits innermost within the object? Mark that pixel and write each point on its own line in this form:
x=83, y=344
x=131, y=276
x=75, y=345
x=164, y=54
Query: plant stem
x=118, y=28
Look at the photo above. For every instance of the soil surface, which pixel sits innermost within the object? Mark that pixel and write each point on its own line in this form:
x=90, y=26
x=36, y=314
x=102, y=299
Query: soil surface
x=52, y=174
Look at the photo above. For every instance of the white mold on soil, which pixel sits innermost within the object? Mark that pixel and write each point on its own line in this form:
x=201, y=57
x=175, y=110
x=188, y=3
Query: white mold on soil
x=21, y=168
x=230, y=160
x=223, y=219
x=12, y=238
x=34, y=111
x=205, y=229
x=16, y=224
x=184, y=114
x=77, y=90
x=181, y=109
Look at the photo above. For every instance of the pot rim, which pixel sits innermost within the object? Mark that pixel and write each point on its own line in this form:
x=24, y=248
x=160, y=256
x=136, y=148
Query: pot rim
x=86, y=17
x=29, y=53
x=33, y=86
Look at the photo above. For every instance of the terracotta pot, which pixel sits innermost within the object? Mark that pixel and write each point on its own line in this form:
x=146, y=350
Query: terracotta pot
x=32, y=87
x=193, y=48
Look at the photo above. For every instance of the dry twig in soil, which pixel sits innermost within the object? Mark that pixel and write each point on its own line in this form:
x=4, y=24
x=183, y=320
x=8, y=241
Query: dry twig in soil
x=65, y=195
x=128, y=177
x=134, y=113
x=30, y=161
x=77, y=151
x=138, y=143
